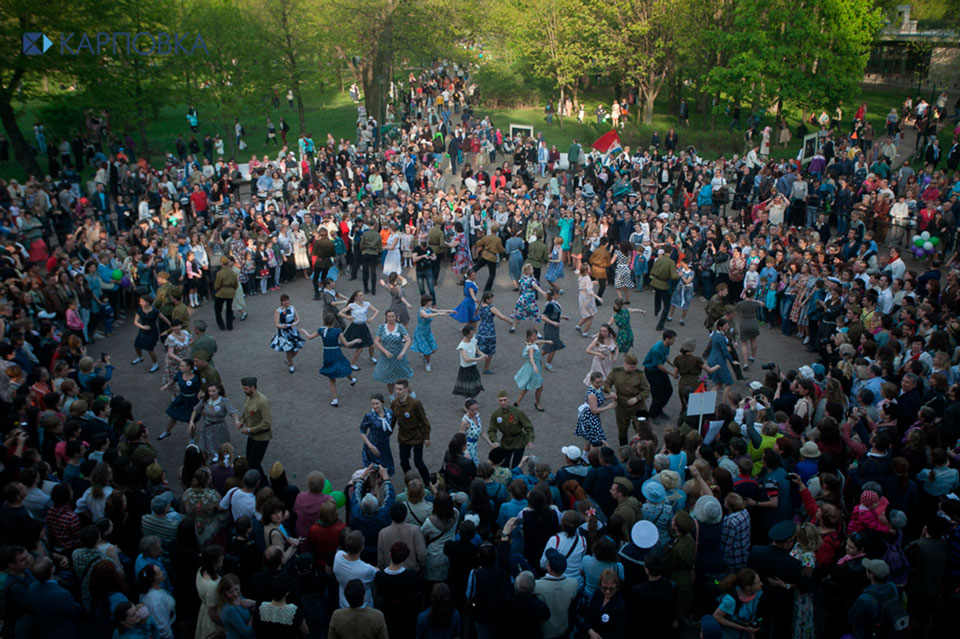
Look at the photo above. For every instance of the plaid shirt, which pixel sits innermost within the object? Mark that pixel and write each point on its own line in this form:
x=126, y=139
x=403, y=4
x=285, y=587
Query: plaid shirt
x=64, y=527
x=736, y=540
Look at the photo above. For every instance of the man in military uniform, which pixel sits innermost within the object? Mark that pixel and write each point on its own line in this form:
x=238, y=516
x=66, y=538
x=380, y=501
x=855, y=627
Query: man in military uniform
x=164, y=301
x=208, y=374
x=180, y=311
x=202, y=341
x=515, y=428
x=774, y=562
x=537, y=255
x=255, y=422
x=632, y=389
x=714, y=308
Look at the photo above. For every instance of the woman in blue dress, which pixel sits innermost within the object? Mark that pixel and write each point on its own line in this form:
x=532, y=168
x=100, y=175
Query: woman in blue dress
x=423, y=339
x=529, y=377
x=514, y=249
x=588, y=414
x=555, y=266
x=486, y=331
x=288, y=339
x=526, y=306
x=181, y=408
x=393, y=342
x=720, y=355
x=552, y=315
x=335, y=363
x=683, y=293
x=375, y=431
x=466, y=311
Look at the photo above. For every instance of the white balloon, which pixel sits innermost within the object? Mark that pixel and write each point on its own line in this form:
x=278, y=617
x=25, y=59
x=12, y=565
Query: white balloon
x=916, y=237
x=925, y=235
x=928, y=246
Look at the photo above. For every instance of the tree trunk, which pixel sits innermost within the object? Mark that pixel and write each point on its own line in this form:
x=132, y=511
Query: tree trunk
x=21, y=148
x=298, y=96
x=779, y=108
x=560, y=108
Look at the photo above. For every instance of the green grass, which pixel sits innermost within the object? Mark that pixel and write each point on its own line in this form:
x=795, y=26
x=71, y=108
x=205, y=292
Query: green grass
x=335, y=113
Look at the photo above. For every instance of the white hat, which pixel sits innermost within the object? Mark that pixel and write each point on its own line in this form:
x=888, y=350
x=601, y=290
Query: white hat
x=571, y=452
x=644, y=534
x=806, y=372
x=755, y=385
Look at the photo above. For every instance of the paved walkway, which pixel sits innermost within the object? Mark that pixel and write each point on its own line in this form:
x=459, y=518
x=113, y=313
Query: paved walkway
x=309, y=434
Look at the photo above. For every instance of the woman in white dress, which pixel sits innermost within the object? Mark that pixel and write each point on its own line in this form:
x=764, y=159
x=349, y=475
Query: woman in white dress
x=392, y=263
x=301, y=259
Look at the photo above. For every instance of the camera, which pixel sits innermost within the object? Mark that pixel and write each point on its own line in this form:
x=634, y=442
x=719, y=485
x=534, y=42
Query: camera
x=769, y=366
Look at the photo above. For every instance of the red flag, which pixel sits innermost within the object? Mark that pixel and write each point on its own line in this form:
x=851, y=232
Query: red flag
x=609, y=142
x=702, y=388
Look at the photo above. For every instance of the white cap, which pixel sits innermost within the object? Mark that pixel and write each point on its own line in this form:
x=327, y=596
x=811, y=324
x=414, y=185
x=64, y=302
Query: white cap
x=571, y=452
x=806, y=372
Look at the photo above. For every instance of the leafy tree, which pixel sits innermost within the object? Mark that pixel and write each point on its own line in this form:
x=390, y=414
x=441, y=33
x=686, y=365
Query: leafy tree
x=636, y=39
x=291, y=30
x=772, y=57
x=555, y=40
x=23, y=77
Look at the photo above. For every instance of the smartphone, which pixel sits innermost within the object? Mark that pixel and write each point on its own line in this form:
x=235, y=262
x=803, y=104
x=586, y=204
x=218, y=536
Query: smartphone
x=103, y=357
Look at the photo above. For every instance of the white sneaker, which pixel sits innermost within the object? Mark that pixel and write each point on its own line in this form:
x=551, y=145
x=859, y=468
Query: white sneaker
x=335, y=402
x=353, y=380
x=291, y=369
x=354, y=367
x=136, y=361
x=428, y=368
x=373, y=360
x=155, y=368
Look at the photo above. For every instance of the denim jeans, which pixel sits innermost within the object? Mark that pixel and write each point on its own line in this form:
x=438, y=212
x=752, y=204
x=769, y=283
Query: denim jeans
x=706, y=284
x=426, y=281
x=786, y=303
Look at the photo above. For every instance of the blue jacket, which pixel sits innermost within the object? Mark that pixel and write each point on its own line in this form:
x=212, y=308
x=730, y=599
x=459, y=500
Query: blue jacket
x=370, y=525
x=53, y=611
x=598, y=483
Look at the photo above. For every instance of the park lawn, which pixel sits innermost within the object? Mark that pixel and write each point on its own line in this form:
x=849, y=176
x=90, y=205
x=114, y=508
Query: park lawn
x=331, y=112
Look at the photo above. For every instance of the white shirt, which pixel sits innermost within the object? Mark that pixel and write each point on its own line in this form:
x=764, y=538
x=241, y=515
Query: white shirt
x=358, y=312
x=240, y=503
x=346, y=570
x=885, y=301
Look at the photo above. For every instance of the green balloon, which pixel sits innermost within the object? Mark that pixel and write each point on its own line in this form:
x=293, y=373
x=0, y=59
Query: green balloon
x=327, y=487
x=339, y=498
x=935, y=241
x=918, y=242
x=117, y=274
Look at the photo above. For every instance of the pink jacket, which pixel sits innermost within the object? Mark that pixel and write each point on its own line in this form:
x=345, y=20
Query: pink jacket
x=863, y=519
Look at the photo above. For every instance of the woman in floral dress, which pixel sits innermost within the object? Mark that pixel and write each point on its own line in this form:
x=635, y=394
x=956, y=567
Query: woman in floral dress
x=300, y=257
x=486, y=331
x=288, y=339
x=526, y=307
x=335, y=363
x=588, y=414
x=683, y=293
x=621, y=319
x=471, y=426
x=423, y=340
x=393, y=342
x=622, y=277
x=211, y=413
x=375, y=431
x=603, y=347
x=178, y=348
x=202, y=503
x=805, y=551
x=530, y=377
x=461, y=251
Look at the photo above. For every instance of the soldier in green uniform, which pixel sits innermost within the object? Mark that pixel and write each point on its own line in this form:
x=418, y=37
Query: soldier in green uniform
x=208, y=374
x=714, y=308
x=514, y=428
x=255, y=422
x=537, y=255
x=689, y=367
x=164, y=301
x=202, y=341
x=180, y=310
x=633, y=390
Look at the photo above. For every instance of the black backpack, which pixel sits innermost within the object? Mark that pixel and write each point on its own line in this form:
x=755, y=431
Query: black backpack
x=893, y=622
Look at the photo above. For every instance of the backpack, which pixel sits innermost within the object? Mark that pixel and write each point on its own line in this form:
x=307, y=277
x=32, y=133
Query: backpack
x=896, y=558
x=893, y=622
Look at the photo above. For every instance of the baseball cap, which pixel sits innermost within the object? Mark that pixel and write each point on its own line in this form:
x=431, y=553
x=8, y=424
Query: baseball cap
x=878, y=567
x=556, y=561
x=572, y=453
x=161, y=502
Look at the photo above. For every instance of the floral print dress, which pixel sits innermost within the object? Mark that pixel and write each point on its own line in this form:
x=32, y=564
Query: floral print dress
x=803, y=627
x=526, y=307
x=461, y=258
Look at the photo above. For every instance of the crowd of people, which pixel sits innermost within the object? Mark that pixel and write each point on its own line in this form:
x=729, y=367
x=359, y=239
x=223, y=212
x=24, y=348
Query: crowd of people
x=821, y=501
